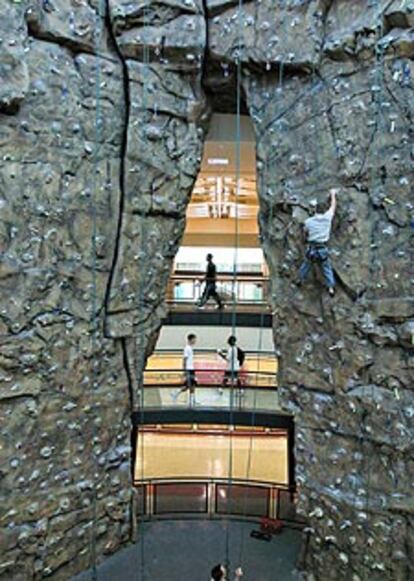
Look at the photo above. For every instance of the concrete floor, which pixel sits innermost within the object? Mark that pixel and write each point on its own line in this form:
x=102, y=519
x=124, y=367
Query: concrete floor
x=187, y=550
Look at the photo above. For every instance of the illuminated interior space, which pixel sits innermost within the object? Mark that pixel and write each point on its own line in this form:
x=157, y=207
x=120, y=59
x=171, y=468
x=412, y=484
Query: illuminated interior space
x=205, y=452
x=224, y=203
x=222, y=220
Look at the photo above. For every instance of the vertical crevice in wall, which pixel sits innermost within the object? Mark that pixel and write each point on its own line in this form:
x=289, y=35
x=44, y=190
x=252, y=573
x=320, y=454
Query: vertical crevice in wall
x=124, y=145
x=131, y=391
x=116, y=249
x=207, y=44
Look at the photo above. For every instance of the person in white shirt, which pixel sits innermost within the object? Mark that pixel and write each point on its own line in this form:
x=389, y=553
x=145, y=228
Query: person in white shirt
x=219, y=573
x=233, y=363
x=317, y=231
x=188, y=368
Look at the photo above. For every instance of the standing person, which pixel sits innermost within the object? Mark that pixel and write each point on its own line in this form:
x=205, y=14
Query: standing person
x=318, y=230
x=233, y=356
x=219, y=573
x=188, y=368
x=210, y=280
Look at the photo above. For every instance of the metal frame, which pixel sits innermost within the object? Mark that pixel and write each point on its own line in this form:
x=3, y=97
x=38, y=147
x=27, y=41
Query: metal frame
x=211, y=487
x=214, y=317
x=225, y=416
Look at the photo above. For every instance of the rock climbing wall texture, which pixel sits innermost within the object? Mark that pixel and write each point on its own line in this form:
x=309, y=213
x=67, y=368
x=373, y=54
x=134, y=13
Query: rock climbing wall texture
x=63, y=399
x=100, y=143
x=102, y=121
x=338, y=111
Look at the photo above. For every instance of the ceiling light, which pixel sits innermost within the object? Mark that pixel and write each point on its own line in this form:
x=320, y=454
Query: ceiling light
x=217, y=161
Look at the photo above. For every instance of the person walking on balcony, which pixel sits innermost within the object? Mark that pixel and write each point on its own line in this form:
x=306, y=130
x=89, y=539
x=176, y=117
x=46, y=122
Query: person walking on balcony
x=317, y=231
x=235, y=359
x=210, y=290
x=188, y=368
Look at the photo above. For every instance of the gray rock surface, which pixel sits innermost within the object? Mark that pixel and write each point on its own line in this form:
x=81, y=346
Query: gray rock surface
x=103, y=114
x=346, y=363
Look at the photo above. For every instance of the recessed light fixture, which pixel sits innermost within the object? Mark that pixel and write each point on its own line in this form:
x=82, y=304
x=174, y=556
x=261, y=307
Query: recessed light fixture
x=217, y=161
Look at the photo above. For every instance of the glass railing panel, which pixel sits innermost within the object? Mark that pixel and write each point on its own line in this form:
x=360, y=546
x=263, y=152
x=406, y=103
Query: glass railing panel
x=255, y=362
x=178, y=497
x=141, y=494
x=287, y=509
x=243, y=500
x=245, y=289
x=249, y=399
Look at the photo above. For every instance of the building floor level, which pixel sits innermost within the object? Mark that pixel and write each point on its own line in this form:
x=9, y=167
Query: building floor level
x=187, y=550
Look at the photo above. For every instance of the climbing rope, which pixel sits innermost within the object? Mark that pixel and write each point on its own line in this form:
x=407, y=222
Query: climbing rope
x=251, y=440
x=94, y=327
x=140, y=362
x=380, y=127
x=238, y=58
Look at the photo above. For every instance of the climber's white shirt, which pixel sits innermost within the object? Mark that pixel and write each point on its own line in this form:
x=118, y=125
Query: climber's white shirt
x=319, y=227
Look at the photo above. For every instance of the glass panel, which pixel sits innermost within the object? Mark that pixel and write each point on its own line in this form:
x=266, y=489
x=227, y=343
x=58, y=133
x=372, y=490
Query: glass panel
x=250, y=291
x=140, y=494
x=184, y=291
x=287, y=506
x=206, y=397
x=169, y=498
x=242, y=499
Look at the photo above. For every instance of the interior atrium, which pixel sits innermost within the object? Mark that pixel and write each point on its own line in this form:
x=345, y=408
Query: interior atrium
x=206, y=286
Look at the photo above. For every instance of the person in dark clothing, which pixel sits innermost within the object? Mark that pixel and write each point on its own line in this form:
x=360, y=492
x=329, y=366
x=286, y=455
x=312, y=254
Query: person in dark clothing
x=210, y=290
x=219, y=573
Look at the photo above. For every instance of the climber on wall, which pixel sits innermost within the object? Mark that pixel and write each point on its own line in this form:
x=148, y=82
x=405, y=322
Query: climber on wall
x=317, y=231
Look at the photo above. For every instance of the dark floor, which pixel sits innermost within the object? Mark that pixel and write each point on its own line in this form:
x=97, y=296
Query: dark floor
x=187, y=550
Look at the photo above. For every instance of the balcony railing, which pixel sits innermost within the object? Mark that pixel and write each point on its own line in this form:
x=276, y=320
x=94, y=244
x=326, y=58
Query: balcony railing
x=255, y=388
x=212, y=396
x=209, y=360
x=246, y=290
x=216, y=498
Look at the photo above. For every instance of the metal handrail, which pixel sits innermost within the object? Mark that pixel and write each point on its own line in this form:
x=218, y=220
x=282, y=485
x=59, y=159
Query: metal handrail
x=209, y=370
x=197, y=279
x=211, y=480
x=213, y=386
x=174, y=379
x=212, y=351
x=221, y=277
x=274, y=491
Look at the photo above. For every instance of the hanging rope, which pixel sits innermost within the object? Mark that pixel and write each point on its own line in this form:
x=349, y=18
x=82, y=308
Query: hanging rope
x=380, y=126
x=235, y=260
x=140, y=362
x=94, y=310
x=250, y=449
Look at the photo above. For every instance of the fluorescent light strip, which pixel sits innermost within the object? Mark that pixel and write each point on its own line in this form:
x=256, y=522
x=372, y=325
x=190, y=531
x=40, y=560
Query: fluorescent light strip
x=217, y=161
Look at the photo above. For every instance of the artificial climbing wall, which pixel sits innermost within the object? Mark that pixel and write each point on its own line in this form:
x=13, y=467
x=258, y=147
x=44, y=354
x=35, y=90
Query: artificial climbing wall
x=102, y=119
x=341, y=114
x=100, y=143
